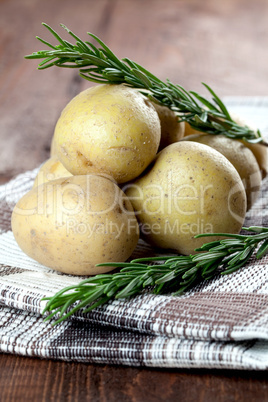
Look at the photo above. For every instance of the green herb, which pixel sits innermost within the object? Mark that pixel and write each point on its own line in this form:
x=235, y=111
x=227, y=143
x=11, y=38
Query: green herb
x=102, y=66
x=170, y=274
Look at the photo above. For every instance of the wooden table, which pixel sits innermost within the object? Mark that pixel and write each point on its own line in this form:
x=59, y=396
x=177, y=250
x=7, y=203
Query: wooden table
x=222, y=43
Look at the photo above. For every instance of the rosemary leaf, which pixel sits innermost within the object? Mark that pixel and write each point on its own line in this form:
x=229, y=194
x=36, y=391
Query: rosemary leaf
x=102, y=66
x=166, y=274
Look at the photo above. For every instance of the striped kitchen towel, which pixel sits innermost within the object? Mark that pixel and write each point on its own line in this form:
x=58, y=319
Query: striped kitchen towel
x=222, y=323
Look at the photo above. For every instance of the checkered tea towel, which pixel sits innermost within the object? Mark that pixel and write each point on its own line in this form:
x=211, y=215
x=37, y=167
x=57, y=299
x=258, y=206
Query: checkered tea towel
x=222, y=323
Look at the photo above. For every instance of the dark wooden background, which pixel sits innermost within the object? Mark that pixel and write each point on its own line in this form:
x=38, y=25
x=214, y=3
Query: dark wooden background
x=221, y=42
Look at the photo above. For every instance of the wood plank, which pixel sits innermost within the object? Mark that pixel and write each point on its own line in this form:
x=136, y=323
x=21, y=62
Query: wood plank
x=223, y=43
x=24, y=378
x=30, y=100
x=182, y=40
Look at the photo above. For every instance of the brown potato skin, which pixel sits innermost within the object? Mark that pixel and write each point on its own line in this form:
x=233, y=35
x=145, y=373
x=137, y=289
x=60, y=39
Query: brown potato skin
x=74, y=223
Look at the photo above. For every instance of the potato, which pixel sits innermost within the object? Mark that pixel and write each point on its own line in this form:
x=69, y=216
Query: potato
x=52, y=169
x=112, y=129
x=52, y=148
x=190, y=188
x=171, y=129
x=240, y=156
x=259, y=151
x=71, y=224
x=188, y=130
x=261, y=154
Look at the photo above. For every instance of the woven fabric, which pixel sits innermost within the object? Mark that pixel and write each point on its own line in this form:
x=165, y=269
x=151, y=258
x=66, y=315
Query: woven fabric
x=222, y=323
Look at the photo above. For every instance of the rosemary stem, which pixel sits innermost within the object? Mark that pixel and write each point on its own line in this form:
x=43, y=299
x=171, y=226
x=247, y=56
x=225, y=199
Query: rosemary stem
x=102, y=66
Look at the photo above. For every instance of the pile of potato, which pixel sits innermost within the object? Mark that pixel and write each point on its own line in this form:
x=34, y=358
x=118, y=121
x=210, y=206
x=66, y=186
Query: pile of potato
x=122, y=167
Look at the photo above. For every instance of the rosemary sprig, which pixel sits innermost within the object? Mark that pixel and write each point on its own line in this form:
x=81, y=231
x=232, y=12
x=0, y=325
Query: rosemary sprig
x=101, y=65
x=169, y=274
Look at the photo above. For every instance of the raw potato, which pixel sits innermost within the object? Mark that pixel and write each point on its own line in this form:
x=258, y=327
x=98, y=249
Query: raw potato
x=240, y=156
x=261, y=154
x=189, y=189
x=72, y=224
x=171, y=129
x=52, y=169
x=52, y=148
x=111, y=129
x=188, y=130
x=259, y=151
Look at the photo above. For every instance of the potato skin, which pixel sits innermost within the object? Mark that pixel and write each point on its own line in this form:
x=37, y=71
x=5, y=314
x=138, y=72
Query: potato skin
x=171, y=129
x=111, y=129
x=240, y=156
x=189, y=189
x=261, y=154
x=74, y=223
x=259, y=151
x=52, y=148
x=189, y=130
x=52, y=169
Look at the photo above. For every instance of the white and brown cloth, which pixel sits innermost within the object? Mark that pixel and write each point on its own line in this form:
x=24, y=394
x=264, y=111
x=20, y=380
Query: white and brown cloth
x=222, y=323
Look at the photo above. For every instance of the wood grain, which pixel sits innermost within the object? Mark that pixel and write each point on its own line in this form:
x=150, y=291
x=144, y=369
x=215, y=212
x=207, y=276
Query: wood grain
x=40, y=380
x=223, y=43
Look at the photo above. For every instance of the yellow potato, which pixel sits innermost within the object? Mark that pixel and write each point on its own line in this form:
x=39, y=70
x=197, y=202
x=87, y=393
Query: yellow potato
x=171, y=129
x=188, y=130
x=260, y=151
x=52, y=169
x=261, y=154
x=74, y=223
x=189, y=189
x=111, y=129
x=52, y=148
x=240, y=156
